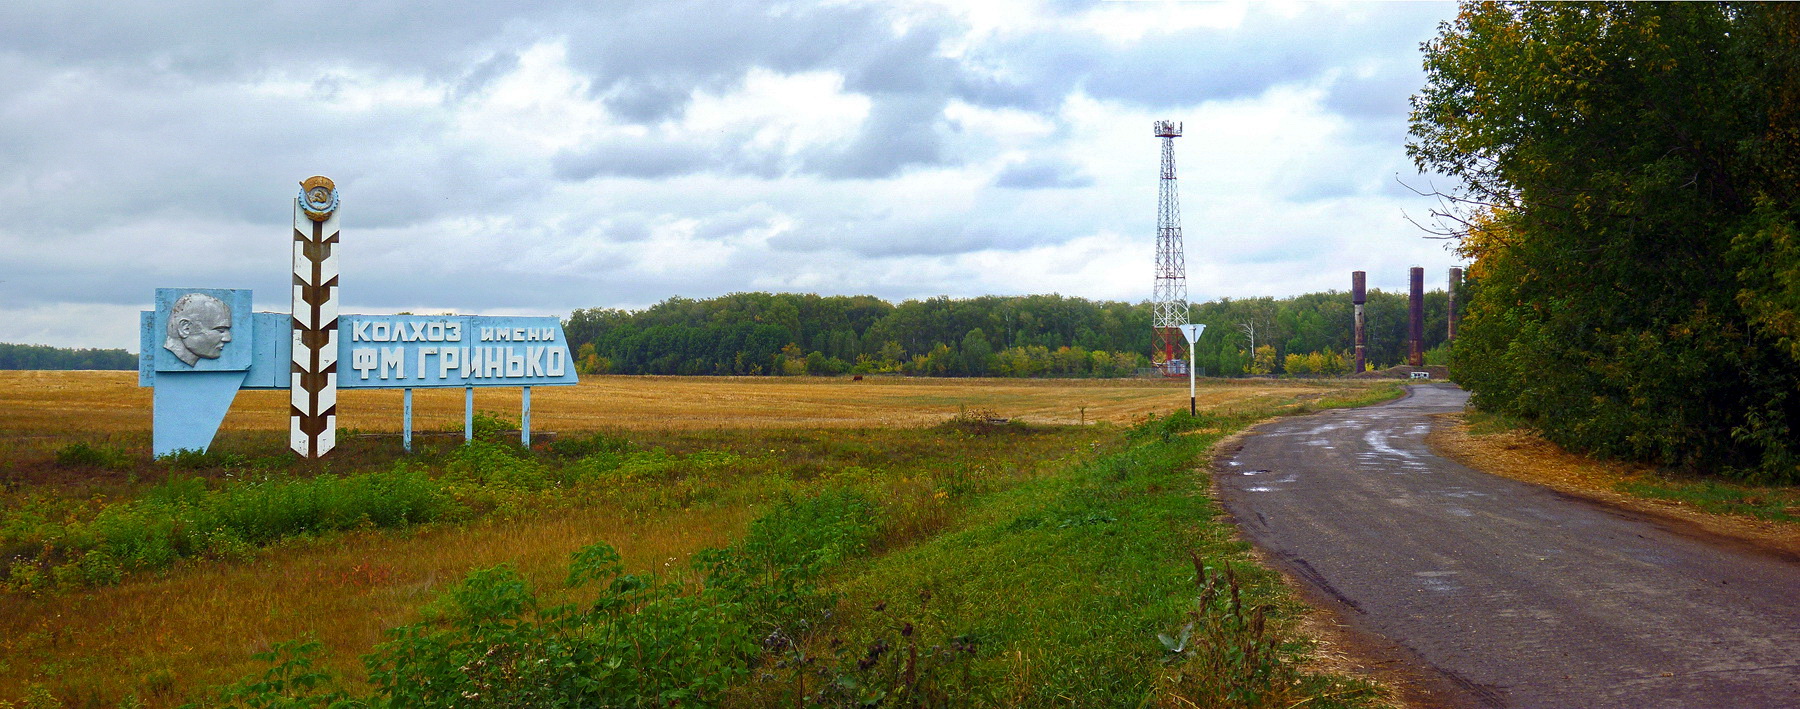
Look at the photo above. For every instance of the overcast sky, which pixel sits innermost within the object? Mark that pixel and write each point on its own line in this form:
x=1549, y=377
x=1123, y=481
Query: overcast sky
x=534, y=157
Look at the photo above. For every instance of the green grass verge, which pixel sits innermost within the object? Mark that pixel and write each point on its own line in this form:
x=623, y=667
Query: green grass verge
x=1779, y=503
x=1775, y=503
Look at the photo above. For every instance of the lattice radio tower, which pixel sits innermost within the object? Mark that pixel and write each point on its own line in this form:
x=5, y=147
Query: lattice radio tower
x=1170, y=294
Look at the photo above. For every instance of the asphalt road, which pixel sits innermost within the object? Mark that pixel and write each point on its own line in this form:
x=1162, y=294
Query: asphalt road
x=1517, y=595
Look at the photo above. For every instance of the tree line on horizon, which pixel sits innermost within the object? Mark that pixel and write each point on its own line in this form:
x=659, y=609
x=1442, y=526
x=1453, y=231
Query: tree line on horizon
x=788, y=334
x=750, y=334
x=14, y=356
x=1631, y=206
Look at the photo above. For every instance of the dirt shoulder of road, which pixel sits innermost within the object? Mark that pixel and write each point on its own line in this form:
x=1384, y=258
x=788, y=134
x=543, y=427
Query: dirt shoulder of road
x=1524, y=456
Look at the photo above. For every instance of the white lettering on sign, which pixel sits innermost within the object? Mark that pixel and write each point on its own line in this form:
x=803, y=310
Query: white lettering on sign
x=393, y=362
x=486, y=362
x=471, y=362
x=495, y=364
x=406, y=331
x=449, y=358
x=518, y=334
x=362, y=359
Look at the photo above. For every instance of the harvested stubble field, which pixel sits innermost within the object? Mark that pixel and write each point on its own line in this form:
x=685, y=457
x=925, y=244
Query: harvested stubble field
x=54, y=405
x=702, y=459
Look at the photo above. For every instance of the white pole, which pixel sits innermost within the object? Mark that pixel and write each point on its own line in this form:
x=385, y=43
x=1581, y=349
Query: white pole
x=1192, y=331
x=1193, y=408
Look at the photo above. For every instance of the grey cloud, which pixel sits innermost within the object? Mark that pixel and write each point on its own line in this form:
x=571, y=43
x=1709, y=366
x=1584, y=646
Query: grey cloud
x=901, y=131
x=649, y=100
x=887, y=237
x=133, y=126
x=1200, y=64
x=647, y=158
x=222, y=39
x=1316, y=187
x=485, y=72
x=732, y=224
x=908, y=63
x=1383, y=95
x=649, y=46
x=1041, y=174
x=627, y=230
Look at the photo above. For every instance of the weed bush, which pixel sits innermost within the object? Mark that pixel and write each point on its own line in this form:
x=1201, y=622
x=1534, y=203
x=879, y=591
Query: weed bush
x=183, y=517
x=773, y=570
x=642, y=641
x=583, y=446
x=1230, y=655
x=493, y=427
x=82, y=455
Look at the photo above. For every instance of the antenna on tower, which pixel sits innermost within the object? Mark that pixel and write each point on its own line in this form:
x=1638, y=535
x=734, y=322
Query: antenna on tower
x=1170, y=294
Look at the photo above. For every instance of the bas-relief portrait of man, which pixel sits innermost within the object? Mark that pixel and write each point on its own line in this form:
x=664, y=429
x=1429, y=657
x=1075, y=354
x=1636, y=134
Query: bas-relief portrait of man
x=199, y=327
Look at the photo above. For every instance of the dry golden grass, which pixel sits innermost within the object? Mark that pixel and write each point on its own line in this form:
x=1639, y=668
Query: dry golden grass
x=1522, y=455
x=61, y=406
x=163, y=639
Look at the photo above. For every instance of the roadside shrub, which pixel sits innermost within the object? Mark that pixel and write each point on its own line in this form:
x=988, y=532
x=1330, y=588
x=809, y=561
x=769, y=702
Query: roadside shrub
x=182, y=517
x=642, y=642
x=291, y=682
x=1165, y=428
x=1229, y=654
x=772, y=569
x=492, y=464
x=583, y=446
x=494, y=428
x=82, y=455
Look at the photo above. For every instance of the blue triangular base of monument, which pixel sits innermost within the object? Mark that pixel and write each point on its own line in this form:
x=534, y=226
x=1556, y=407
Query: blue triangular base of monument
x=189, y=406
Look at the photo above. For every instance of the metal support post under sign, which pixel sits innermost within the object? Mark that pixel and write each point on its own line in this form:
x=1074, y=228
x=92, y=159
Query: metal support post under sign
x=1192, y=333
x=525, y=418
x=468, y=414
x=406, y=426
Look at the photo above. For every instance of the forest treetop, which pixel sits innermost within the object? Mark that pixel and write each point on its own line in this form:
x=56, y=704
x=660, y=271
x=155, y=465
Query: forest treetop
x=764, y=333
x=1628, y=200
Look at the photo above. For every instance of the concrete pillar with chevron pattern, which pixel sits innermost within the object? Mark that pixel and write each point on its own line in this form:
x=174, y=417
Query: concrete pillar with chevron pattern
x=313, y=412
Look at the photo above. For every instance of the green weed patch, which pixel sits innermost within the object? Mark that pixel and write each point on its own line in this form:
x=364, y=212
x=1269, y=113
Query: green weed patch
x=1779, y=503
x=1077, y=589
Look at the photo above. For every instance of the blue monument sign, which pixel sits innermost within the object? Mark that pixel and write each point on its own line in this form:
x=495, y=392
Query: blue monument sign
x=202, y=345
x=412, y=351
x=195, y=349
